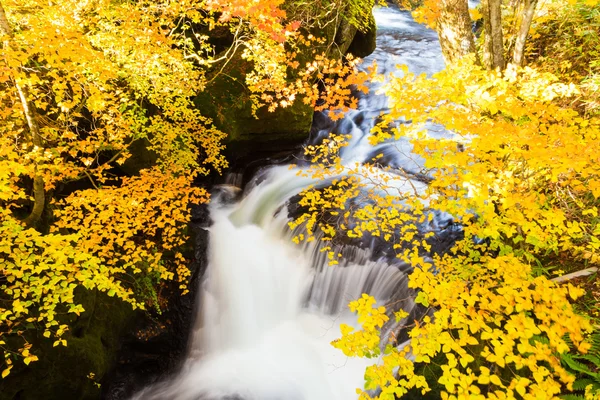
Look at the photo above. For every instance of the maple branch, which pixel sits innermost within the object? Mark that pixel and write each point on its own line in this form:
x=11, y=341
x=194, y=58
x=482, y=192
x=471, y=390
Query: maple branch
x=111, y=160
x=237, y=42
x=91, y=179
x=38, y=181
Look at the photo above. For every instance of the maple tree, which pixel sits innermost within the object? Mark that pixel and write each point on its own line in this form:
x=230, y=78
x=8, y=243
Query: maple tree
x=84, y=96
x=81, y=82
x=520, y=175
x=527, y=182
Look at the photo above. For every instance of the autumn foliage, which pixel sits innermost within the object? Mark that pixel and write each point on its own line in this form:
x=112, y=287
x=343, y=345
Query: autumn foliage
x=80, y=84
x=520, y=175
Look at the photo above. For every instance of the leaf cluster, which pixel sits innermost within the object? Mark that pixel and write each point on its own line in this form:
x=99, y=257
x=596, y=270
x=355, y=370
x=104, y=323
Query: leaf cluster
x=520, y=174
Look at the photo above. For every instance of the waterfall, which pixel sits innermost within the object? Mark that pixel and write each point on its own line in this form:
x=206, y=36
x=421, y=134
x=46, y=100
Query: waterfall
x=269, y=307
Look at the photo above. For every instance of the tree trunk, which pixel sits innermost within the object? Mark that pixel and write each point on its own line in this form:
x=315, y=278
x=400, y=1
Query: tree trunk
x=528, y=11
x=494, y=44
x=454, y=30
x=39, y=194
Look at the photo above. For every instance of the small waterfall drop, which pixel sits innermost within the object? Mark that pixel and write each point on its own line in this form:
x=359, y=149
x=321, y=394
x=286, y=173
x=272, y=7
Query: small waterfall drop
x=270, y=308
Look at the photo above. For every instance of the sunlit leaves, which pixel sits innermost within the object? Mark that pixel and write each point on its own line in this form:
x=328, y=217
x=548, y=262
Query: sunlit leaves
x=40, y=274
x=529, y=168
x=519, y=338
x=363, y=343
x=426, y=13
x=103, y=76
x=519, y=174
x=324, y=83
x=130, y=227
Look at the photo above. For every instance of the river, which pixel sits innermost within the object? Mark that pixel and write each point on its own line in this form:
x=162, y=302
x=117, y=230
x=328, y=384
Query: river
x=269, y=307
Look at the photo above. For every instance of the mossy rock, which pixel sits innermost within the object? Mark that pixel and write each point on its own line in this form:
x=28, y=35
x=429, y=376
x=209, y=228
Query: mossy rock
x=364, y=43
x=227, y=101
x=62, y=372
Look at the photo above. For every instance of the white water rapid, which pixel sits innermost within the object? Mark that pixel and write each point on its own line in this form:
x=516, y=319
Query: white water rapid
x=270, y=308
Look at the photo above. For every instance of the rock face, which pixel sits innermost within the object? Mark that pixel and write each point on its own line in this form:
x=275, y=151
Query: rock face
x=226, y=100
x=364, y=43
x=228, y=103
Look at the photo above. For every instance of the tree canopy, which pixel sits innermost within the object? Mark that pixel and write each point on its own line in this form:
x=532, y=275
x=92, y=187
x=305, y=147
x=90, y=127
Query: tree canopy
x=84, y=83
x=520, y=176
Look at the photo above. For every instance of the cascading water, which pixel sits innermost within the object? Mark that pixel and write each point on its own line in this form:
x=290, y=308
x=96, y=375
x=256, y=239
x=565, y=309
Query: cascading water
x=269, y=308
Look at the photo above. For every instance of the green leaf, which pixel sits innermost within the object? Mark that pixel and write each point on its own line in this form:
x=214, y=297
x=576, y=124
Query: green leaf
x=422, y=299
x=581, y=384
x=592, y=358
x=571, y=397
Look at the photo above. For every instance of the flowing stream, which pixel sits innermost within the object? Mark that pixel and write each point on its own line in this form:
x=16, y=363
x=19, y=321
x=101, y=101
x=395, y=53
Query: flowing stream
x=270, y=308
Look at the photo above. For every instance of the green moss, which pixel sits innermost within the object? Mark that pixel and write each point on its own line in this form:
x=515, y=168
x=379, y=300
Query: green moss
x=364, y=43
